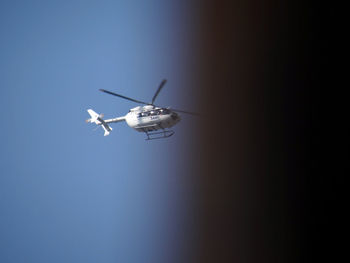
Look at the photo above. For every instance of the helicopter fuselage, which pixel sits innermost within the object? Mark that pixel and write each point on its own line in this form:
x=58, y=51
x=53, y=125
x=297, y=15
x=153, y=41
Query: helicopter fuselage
x=149, y=118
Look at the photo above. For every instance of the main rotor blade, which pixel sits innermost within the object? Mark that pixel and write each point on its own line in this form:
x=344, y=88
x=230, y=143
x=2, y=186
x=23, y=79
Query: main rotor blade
x=158, y=90
x=187, y=112
x=123, y=97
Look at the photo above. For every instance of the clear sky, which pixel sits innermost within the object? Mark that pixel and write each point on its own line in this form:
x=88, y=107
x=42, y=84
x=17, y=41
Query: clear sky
x=67, y=193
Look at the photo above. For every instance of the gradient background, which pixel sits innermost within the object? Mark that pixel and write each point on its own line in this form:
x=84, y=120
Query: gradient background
x=68, y=194
x=234, y=185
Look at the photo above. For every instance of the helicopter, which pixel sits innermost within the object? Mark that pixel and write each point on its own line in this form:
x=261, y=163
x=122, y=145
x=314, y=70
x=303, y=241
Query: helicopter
x=148, y=118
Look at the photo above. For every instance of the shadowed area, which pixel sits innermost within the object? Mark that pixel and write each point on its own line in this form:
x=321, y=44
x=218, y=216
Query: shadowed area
x=255, y=69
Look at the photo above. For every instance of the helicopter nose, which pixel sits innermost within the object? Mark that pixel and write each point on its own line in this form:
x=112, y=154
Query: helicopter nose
x=175, y=116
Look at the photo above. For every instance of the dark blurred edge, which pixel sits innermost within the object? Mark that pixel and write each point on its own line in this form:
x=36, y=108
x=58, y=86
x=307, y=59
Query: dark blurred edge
x=258, y=75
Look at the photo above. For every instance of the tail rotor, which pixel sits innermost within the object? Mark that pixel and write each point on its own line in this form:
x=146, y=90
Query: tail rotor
x=97, y=119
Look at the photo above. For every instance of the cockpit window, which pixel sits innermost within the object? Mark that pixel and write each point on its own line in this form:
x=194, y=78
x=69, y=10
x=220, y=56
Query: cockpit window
x=143, y=114
x=154, y=112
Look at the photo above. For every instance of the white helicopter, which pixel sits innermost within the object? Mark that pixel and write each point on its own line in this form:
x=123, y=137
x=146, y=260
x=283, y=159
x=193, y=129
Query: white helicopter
x=148, y=119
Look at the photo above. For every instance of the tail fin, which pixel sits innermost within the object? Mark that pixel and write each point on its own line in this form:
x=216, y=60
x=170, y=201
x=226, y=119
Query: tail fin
x=97, y=119
x=94, y=117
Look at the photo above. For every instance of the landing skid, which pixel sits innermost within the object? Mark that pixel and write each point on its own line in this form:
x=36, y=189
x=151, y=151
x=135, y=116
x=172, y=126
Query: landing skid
x=159, y=135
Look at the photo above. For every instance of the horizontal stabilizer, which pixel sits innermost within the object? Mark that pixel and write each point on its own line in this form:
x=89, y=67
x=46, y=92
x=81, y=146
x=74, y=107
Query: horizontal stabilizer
x=107, y=128
x=97, y=119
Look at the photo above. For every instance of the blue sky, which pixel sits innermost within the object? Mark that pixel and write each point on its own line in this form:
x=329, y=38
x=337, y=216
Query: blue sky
x=67, y=193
